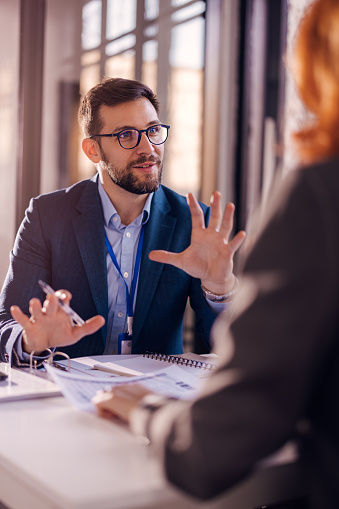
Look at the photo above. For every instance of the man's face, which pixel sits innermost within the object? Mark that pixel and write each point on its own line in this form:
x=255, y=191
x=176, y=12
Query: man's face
x=136, y=170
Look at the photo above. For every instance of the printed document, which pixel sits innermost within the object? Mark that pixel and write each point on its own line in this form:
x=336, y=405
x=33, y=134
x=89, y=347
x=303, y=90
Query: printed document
x=79, y=389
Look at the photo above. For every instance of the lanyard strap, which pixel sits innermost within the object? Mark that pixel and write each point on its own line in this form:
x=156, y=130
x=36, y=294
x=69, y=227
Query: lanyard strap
x=129, y=297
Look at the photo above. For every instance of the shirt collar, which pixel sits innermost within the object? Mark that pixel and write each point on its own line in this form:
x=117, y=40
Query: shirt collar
x=110, y=211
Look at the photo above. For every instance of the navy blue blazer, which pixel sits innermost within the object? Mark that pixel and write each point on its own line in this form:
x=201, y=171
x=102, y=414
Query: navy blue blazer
x=61, y=241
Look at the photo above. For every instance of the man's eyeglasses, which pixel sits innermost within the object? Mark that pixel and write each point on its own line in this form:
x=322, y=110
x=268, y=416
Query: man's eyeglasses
x=130, y=138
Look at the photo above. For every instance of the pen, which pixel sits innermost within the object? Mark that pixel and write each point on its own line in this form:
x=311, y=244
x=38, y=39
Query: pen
x=48, y=290
x=110, y=370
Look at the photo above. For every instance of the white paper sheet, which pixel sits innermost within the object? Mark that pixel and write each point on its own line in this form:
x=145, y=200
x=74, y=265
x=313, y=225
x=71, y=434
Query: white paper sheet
x=80, y=389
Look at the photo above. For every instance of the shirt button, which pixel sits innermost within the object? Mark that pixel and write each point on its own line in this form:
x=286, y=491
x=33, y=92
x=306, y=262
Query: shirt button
x=125, y=275
x=120, y=314
x=115, y=219
x=128, y=234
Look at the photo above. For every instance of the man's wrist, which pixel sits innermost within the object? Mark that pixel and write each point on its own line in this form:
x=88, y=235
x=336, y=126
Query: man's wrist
x=28, y=349
x=215, y=297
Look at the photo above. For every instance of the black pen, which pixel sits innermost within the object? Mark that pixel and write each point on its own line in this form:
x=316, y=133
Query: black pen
x=48, y=290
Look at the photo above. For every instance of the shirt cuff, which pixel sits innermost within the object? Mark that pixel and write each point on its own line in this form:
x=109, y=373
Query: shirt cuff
x=23, y=357
x=218, y=307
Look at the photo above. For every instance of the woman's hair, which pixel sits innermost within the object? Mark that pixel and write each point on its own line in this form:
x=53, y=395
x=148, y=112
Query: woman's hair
x=110, y=92
x=316, y=71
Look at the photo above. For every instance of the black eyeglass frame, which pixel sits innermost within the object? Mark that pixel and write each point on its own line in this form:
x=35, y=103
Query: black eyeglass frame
x=140, y=131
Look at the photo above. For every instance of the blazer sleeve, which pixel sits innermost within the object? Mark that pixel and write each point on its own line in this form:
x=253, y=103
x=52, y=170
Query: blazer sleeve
x=278, y=348
x=29, y=262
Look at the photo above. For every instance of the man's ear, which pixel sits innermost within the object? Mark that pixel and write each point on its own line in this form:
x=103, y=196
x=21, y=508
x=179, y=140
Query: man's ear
x=92, y=149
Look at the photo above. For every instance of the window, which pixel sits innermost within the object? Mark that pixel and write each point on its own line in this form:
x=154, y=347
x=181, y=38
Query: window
x=161, y=44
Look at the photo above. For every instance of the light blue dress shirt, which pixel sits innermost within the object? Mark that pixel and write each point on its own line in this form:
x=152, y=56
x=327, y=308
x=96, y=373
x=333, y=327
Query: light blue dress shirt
x=124, y=241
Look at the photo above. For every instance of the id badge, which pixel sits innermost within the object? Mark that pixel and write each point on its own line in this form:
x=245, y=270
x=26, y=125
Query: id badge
x=125, y=344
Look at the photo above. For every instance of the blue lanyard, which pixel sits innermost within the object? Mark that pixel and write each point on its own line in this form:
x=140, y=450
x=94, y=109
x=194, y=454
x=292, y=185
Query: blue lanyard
x=129, y=297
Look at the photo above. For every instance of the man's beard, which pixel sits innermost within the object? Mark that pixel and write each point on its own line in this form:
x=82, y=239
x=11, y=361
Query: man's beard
x=126, y=179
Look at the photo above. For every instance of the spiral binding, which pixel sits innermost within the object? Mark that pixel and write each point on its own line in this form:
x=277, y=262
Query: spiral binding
x=180, y=360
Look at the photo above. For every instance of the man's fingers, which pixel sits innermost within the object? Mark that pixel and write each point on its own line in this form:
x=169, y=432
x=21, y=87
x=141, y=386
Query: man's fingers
x=89, y=327
x=227, y=221
x=35, y=308
x=64, y=295
x=237, y=241
x=215, y=216
x=95, y=323
x=197, y=214
x=166, y=257
x=20, y=317
x=52, y=302
x=50, y=306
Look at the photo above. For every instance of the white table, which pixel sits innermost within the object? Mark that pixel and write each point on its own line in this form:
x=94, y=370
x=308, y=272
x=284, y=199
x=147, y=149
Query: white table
x=55, y=457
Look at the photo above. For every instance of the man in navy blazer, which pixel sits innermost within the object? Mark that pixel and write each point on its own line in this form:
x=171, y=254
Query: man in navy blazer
x=62, y=242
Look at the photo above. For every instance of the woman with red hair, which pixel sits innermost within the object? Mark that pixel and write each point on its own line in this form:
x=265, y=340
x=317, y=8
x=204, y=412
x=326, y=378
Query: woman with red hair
x=278, y=377
x=316, y=71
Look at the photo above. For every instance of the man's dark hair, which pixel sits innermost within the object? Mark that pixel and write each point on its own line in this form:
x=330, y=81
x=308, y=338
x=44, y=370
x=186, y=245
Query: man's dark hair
x=110, y=92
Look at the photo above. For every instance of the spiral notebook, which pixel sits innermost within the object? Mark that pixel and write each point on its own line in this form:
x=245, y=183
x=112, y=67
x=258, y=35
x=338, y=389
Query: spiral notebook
x=189, y=360
x=134, y=365
x=150, y=362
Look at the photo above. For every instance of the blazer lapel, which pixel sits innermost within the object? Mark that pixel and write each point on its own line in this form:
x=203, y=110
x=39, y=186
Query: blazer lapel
x=89, y=231
x=158, y=235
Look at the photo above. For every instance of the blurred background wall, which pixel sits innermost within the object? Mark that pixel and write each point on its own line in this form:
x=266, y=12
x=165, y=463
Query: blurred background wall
x=9, y=106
